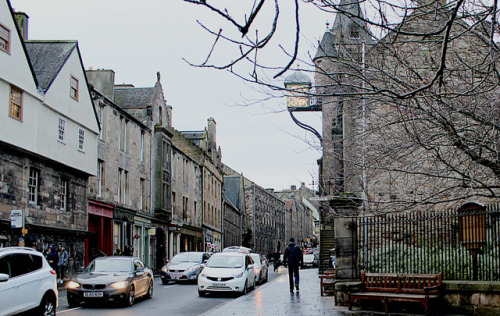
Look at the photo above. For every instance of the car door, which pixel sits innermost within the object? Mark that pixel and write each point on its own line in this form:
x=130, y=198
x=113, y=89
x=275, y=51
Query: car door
x=249, y=271
x=9, y=298
x=141, y=277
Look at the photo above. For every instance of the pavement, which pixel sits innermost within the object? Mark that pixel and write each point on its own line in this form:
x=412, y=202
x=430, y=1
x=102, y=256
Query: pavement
x=274, y=298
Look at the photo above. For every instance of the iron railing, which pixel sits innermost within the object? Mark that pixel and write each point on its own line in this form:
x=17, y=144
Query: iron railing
x=463, y=244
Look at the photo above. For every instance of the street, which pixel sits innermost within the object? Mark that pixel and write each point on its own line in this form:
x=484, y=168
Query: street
x=171, y=299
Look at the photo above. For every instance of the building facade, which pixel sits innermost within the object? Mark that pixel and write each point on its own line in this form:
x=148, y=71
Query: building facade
x=48, y=140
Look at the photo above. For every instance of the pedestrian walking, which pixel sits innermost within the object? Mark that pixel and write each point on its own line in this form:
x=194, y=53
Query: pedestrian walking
x=53, y=258
x=62, y=263
x=276, y=259
x=293, y=259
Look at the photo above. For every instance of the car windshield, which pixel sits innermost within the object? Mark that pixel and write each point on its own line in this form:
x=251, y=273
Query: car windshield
x=187, y=257
x=225, y=262
x=110, y=266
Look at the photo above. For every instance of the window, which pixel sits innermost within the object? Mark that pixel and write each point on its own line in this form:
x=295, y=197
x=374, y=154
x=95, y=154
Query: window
x=61, y=127
x=100, y=114
x=160, y=116
x=120, y=173
x=73, y=92
x=100, y=174
x=185, y=202
x=81, y=139
x=142, y=194
x=33, y=186
x=4, y=39
x=354, y=31
x=16, y=103
x=63, y=196
x=142, y=145
x=123, y=134
x=125, y=188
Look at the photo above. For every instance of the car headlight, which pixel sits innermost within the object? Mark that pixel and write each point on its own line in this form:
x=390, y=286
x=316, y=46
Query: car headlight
x=164, y=269
x=193, y=269
x=120, y=285
x=239, y=275
x=73, y=285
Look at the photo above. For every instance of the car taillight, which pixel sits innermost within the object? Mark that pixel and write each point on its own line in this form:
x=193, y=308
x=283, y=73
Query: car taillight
x=53, y=272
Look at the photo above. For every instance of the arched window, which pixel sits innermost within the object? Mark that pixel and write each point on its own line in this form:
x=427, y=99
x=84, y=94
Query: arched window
x=160, y=119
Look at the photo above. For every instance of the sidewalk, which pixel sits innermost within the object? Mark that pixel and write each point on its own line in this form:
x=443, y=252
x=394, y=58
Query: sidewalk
x=274, y=298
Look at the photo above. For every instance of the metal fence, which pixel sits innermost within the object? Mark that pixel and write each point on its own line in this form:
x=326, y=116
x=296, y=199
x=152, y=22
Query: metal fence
x=463, y=243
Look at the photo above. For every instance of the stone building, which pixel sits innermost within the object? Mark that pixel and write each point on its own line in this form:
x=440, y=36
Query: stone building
x=302, y=217
x=233, y=211
x=48, y=140
x=133, y=150
x=206, y=153
x=186, y=196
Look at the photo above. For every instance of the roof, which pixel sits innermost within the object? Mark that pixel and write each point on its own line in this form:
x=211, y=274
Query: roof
x=232, y=190
x=326, y=47
x=134, y=97
x=298, y=77
x=47, y=59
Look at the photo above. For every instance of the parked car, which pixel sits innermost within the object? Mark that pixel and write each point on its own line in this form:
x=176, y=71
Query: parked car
x=237, y=249
x=184, y=266
x=112, y=279
x=227, y=272
x=309, y=261
x=260, y=267
x=27, y=282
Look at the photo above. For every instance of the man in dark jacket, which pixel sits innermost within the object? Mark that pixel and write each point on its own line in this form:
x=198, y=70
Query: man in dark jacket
x=293, y=258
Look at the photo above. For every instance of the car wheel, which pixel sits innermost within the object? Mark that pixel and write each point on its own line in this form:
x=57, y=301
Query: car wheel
x=131, y=297
x=164, y=282
x=47, y=306
x=149, y=295
x=267, y=276
x=201, y=293
x=245, y=289
x=73, y=301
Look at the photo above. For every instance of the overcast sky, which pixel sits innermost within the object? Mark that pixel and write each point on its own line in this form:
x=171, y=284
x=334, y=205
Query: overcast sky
x=136, y=39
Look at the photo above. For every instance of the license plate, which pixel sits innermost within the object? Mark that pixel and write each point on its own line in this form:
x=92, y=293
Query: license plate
x=93, y=294
x=219, y=284
x=175, y=276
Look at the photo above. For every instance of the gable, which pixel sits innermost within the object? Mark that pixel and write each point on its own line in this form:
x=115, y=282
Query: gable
x=16, y=69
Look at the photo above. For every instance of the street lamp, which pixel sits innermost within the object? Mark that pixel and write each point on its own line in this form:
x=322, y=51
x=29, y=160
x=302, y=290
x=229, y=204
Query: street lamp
x=298, y=94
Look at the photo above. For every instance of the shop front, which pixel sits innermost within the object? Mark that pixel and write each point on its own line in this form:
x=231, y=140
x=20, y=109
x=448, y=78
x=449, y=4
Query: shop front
x=191, y=239
x=100, y=240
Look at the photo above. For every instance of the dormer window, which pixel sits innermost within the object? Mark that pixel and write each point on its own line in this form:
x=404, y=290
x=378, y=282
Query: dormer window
x=354, y=31
x=4, y=39
x=73, y=92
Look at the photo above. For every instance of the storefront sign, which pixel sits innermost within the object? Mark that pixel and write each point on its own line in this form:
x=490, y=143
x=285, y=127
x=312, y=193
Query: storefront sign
x=16, y=219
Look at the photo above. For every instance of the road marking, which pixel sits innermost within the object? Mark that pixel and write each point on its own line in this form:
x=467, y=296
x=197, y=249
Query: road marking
x=166, y=285
x=68, y=310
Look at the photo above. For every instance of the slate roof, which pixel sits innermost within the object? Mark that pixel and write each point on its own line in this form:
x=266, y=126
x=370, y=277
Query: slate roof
x=134, y=97
x=47, y=59
x=326, y=48
x=232, y=190
x=298, y=77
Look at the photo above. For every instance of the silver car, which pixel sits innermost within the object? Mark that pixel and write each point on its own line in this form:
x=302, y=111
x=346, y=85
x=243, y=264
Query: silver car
x=184, y=266
x=261, y=268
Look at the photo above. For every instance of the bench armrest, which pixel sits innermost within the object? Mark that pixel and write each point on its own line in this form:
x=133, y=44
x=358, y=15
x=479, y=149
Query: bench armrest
x=350, y=287
x=431, y=288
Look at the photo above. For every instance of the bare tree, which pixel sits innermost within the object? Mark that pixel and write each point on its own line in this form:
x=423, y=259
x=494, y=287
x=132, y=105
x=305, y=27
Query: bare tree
x=409, y=95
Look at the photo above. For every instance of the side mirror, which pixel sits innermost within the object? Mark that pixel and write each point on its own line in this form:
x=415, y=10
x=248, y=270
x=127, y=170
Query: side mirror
x=139, y=271
x=250, y=267
x=4, y=277
x=205, y=261
x=202, y=265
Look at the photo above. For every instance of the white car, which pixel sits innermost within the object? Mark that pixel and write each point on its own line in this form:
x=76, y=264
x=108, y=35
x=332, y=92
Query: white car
x=27, y=282
x=227, y=272
x=260, y=268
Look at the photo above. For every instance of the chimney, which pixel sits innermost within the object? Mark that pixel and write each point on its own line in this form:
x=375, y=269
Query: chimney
x=22, y=23
x=103, y=81
x=211, y=134
x=293, y=187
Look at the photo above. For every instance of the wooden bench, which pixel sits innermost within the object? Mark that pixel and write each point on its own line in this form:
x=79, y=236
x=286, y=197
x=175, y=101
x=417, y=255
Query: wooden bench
x=390, y=287
x=327, y=282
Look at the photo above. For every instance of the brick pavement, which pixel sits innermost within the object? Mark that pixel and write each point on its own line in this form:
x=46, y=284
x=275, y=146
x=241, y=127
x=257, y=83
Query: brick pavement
x=274, y=298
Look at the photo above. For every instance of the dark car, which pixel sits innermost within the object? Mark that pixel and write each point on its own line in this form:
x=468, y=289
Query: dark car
x=184, y=266
x=112, y=279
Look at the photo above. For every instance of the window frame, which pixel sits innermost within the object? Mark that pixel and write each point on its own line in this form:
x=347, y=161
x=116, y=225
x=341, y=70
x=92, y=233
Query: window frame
x=33, y=186
x=12, y=102
x=81, y=139
x=354, y=31
x=74, y=91
x=63, y=194
x=8, y=39
x=100, y=174
x=61, y=130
